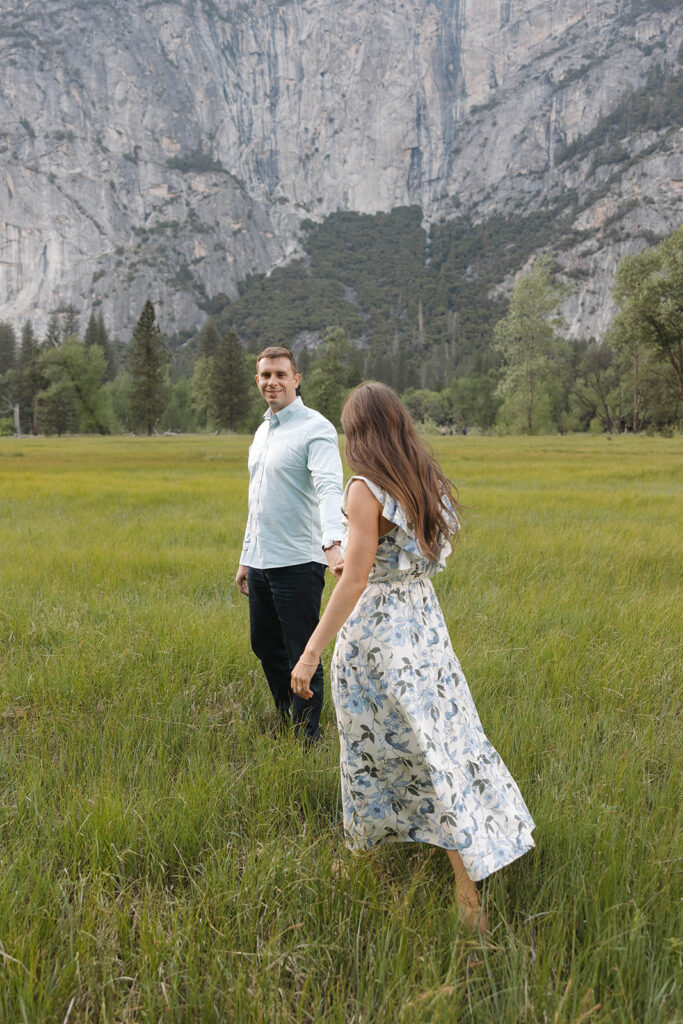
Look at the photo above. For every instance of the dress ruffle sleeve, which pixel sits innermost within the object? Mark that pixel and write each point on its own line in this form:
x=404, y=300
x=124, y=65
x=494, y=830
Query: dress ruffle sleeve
x=404, y=534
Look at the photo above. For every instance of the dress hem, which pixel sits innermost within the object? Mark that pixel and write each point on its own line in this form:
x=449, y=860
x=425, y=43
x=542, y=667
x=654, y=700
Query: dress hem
x=488, y=863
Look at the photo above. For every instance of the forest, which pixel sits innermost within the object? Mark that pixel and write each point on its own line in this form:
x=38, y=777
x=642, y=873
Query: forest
x=375, y=297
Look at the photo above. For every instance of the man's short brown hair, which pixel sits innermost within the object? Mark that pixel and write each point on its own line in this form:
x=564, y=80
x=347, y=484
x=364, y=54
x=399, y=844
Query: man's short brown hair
x=276, y=352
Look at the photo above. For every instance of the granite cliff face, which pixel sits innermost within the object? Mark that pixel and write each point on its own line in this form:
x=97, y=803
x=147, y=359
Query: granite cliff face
x=168, y=149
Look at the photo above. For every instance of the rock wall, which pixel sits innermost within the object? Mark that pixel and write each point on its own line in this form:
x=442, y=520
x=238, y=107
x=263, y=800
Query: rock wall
x=168, y=149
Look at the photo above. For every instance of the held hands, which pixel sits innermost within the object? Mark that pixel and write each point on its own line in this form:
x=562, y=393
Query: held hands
x=302, y=673
x=334, y=558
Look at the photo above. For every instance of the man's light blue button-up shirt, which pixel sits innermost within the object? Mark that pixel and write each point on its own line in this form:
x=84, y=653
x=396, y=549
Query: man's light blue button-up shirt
x=295, y=489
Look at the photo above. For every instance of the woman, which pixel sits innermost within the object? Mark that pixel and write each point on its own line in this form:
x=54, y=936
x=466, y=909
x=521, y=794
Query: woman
x=415, y=763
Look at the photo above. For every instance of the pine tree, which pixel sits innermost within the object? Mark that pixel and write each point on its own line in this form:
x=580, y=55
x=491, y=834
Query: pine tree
x=90, y=337
x=336, y=368
x=147, y=358
x=303, y=361
x=229, y=383
x=208, y=340
x=8, y=347
x=53, y=334
x=96, y=334
x=70, y=323
x=31, y=379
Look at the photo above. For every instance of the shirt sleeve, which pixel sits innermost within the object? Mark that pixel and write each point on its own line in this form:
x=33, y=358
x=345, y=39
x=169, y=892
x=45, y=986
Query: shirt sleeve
x=325, y=467
x=248, y=542
x=246, y=545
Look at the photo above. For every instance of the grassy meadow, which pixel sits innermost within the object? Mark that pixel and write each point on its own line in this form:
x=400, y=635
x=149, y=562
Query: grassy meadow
x=164, y=858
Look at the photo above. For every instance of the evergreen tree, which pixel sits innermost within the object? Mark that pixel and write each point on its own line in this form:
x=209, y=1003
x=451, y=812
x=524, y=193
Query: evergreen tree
x=31, y=379
x=208, y=340
x=9, y=407
x=102, y=336
x=105, y=343
x=303, y=361
x=96, y=334
x=91, y=333
x=53, y=334
x=229, y=383
x=69, y=323
x=8, y=347
x=147, y=359
x=335, y=369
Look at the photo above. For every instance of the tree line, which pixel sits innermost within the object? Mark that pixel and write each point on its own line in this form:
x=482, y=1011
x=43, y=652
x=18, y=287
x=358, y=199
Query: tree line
x=65, y=384
x=631, y=380
x=529, y=380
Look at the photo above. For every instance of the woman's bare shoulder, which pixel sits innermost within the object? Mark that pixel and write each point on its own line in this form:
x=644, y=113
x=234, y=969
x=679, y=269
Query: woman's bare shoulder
x=360, y=495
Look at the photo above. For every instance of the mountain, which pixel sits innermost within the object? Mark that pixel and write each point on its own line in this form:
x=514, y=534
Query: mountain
x=151, y=148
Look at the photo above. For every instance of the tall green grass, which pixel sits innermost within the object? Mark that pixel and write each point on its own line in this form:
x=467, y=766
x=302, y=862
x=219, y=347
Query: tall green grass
x=164, y=858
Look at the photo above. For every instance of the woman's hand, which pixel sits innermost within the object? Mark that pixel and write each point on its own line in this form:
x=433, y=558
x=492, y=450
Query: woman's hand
x=302, y=673
x=338, y=569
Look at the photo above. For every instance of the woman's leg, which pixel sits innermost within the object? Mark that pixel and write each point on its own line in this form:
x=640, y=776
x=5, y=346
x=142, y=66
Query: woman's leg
x=467, y=896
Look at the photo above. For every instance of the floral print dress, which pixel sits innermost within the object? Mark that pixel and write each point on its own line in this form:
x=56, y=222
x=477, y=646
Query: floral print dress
x=415, y=763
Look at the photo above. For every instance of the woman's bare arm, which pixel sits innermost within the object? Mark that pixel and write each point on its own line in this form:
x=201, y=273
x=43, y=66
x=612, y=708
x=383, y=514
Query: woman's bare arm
x=364, y=513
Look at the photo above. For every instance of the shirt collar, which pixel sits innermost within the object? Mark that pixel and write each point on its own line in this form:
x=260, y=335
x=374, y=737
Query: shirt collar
x=284, y=414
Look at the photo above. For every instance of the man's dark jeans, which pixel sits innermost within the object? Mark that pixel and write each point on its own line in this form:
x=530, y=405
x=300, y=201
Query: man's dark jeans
x=284, y=608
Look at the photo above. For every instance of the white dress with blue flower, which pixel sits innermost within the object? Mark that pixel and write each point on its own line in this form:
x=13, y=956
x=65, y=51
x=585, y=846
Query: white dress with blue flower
x=415, y=763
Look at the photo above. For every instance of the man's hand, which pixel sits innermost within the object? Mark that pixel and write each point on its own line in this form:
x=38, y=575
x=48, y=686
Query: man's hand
x=241, y=580
x=334, y=557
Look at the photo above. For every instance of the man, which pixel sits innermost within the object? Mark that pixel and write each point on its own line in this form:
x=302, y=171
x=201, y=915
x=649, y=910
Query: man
x=294, y=528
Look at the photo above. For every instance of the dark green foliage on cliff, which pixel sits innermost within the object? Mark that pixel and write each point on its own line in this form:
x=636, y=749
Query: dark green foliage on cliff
x=467, y=262
x=655, y=107
x=198, y=160
x=273, y=310
x=420, y=306
x=380, y=260
x=639, y=7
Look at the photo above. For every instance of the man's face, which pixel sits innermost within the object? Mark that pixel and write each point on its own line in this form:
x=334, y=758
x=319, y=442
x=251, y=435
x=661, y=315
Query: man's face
x=277, y=382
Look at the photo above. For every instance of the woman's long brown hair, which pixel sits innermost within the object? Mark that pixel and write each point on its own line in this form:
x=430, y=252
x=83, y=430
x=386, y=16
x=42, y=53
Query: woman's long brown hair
x=383, y=445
